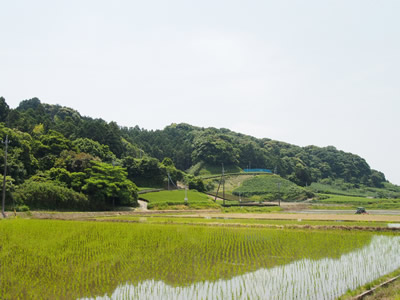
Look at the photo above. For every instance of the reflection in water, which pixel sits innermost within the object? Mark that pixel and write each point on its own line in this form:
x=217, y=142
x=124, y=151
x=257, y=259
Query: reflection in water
x=304, y=279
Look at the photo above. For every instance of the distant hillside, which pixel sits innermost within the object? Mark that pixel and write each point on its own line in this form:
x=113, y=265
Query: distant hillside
x=190, y=146
x=186, y=145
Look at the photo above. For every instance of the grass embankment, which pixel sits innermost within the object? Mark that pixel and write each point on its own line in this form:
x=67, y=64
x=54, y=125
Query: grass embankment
x=176, y=200
x=391, y=291
x=387, y=292
x=359, y=201
x=249, y=209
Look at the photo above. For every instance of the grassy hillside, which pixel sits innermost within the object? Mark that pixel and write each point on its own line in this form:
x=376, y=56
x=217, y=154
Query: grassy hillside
x=203, y=169
x=271, y=187
x=175, y=200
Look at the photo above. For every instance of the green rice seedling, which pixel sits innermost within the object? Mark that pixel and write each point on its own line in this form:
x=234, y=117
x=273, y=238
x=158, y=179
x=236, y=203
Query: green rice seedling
x=325, y=278
x=50, y=259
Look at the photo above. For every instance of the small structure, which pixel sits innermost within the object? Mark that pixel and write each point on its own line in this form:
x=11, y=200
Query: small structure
x=257, y=171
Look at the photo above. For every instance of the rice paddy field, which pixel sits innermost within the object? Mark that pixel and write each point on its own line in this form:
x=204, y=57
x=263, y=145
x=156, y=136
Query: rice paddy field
x=50, y=259
x=182, y=219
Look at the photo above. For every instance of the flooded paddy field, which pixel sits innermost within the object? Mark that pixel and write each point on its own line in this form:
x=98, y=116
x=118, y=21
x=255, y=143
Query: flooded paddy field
x=52, y=259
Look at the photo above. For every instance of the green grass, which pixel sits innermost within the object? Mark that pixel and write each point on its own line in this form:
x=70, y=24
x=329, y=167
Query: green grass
x=247, y=209
x=175, y=200
x=47, y=259
x=202, y=169
x=266, y=187
x=392, y=291
x=232, y=182
x=339, y=187
x=360, y=201
x=318, y=187
x=332, y=207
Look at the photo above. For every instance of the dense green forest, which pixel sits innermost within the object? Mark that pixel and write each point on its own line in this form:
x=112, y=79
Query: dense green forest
x=60, y=159
x=189, y=146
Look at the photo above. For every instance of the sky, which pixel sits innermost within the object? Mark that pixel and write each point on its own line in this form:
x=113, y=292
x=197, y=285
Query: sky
x=307, y=72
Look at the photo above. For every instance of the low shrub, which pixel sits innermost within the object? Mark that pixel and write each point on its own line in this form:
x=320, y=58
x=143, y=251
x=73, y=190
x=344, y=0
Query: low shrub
x=49, y=195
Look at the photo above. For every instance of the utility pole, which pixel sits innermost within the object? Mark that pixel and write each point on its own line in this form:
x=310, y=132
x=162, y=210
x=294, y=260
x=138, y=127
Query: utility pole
x=222, y=180
x=279, y=192
x=223, y=183
x=219, y=185
x=168, y=180
x=6, y=142
x=240, y=198
x=186, y=197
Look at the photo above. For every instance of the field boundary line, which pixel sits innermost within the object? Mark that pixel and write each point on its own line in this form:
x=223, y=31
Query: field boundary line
x=276, y=226
x=149, y=191
x=372, y=290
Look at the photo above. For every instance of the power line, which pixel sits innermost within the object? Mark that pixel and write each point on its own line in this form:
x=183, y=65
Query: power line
x=170, y=180
x=221, y=181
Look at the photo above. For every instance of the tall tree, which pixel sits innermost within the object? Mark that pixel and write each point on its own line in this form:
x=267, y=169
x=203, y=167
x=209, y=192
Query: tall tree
x=4, y=110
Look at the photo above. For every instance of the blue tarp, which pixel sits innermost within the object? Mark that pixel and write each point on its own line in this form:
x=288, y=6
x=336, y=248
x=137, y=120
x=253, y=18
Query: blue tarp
x=257, y=170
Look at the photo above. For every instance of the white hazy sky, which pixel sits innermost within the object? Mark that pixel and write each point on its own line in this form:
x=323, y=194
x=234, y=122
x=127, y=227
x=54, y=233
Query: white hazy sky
x=321, y=72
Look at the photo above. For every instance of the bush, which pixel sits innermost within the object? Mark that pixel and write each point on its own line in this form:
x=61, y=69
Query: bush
x=195, y=183
x=49, y=195
x=21, y=208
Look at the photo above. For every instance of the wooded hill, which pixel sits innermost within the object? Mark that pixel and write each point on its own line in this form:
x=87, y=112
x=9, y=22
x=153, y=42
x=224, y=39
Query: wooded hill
x=98, y=162
x=188, y=145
